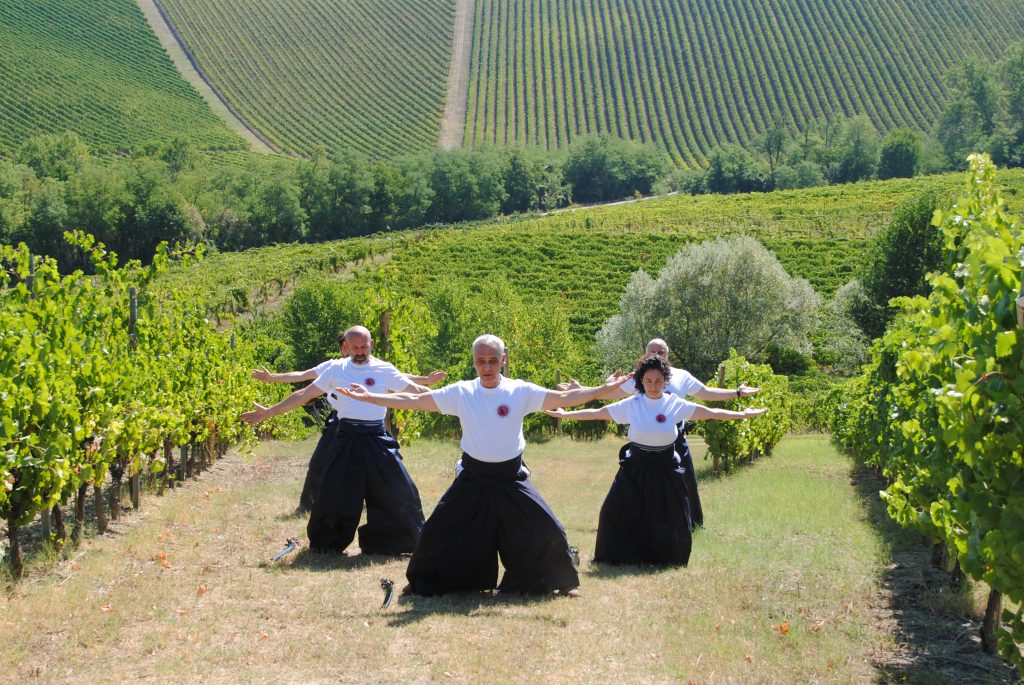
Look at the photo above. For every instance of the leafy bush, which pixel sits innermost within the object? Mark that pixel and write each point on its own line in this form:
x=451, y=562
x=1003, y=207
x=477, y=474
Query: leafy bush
x=709, y=298
x=732, y=441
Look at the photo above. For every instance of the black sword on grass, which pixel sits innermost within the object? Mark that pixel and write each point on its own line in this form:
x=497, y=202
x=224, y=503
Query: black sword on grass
x=388, y=586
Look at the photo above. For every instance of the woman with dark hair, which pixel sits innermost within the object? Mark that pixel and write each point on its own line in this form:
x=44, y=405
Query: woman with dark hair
x=645, y=519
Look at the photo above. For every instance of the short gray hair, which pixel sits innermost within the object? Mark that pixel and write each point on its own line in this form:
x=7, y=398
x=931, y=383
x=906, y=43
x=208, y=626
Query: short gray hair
x=491, y=341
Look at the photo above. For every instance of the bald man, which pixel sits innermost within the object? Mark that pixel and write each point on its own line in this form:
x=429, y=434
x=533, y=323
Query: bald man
x=321, y=457
x=491, y=509
x=361, y=462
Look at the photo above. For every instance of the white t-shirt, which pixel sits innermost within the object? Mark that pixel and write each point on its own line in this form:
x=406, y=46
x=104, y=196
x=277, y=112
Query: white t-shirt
x=322, y=366
x=680, y=382
x=491, y=418
x=375, y=375
x=652, y=422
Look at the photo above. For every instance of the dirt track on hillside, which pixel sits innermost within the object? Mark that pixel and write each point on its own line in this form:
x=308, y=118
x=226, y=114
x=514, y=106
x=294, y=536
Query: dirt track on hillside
x=190, y=72
x=453, y=122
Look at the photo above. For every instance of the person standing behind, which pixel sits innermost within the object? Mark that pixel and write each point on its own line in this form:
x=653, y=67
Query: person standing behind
x=491, y=509
x=321, y=454
x=362, y=462
x=684, y=384
x=645, y=519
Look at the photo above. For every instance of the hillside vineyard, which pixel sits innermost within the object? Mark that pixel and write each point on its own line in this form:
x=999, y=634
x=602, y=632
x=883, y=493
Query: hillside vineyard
x=691, y=74
x=684, y=74
x=368, y=76
x=95, y=67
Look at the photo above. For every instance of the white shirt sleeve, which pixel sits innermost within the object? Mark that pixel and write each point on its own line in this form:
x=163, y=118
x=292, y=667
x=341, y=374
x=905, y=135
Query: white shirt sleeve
x=619, y=411
x=393, y=379
x=533, y=397
x=685, y=383
x=448, y=399
x=322, y=366
x=682, y=410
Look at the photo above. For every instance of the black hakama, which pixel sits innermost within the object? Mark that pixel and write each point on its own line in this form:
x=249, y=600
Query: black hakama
x=492, y=510
x=645, y=519
x=318, y=463
x=365, y=465
x=686, y=461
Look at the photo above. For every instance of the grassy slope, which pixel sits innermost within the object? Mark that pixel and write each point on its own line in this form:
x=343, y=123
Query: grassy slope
x=788, y=543
x=585, y=257
x=95, y=67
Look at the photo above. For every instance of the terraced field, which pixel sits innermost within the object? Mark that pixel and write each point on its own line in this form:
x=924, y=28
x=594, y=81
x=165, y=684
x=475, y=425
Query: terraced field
x=689, y=74
x=368, y=76
x=95, y=67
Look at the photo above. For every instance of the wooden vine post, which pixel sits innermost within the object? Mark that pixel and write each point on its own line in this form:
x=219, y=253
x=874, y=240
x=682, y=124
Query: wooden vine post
x=716, y=463
x=134, y=481
x=558, y=381
x=989, y=626
x=383, y=348
x=30, y=283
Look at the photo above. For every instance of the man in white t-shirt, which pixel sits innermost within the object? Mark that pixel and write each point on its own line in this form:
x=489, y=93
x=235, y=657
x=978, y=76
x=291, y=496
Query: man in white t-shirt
x=491, y=508
x=685, y=384
x=321, y=457
x=361, y=462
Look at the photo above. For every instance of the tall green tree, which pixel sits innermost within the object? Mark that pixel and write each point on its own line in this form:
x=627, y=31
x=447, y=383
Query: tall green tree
x=900, y=155
x=712, y=297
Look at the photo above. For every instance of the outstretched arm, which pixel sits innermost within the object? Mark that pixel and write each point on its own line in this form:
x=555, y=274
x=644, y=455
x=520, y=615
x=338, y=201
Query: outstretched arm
x=710, y=414
x=598, y=414
x=296, y=399
x=397, y=400
x=723, y=394
x=575, y=396
x=262, y=374
x=414, y=389
x=432, y=378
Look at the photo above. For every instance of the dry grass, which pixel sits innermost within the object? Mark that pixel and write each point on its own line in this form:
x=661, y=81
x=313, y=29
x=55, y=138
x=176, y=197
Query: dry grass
x=784, y=586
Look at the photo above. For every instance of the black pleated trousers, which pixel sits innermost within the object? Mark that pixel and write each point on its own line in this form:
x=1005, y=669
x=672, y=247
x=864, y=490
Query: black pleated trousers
x=645, y=519
x=492, y=510
x=318, y=463
x=686, y=461
x=365, y=465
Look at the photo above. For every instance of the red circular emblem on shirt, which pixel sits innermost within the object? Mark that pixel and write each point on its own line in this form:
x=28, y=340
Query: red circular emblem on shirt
x=370, y=381
x=660, y=418
x=503, y=411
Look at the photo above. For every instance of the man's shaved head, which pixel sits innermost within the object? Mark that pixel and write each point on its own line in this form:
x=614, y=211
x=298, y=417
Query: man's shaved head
x=359, y=342
x=659, y=347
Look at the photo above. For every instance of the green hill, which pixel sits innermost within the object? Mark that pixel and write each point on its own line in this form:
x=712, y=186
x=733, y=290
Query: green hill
x=684, y=75
x=364, y=75
x=94, y=67
x=689, y=75
x=584, y=258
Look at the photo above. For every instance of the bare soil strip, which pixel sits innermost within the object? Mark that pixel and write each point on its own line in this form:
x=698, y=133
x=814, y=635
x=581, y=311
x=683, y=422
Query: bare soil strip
x=187, y=67
x=453, y=122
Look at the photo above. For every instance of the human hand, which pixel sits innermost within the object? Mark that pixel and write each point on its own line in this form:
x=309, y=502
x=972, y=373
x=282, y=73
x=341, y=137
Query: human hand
x=262, y=374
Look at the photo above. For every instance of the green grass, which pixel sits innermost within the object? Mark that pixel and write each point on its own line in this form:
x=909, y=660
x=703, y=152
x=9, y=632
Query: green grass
x=368, y=76
x=94, y=67
x=691, y=75
x=788, y=543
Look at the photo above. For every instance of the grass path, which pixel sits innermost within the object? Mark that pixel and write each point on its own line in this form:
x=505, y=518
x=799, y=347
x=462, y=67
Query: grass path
x=453, y=121
x=787, y=584
x=189, y=70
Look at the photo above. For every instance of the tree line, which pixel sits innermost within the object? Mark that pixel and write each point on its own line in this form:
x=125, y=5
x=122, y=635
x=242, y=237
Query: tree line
x=53, y=183
x=169, y=191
